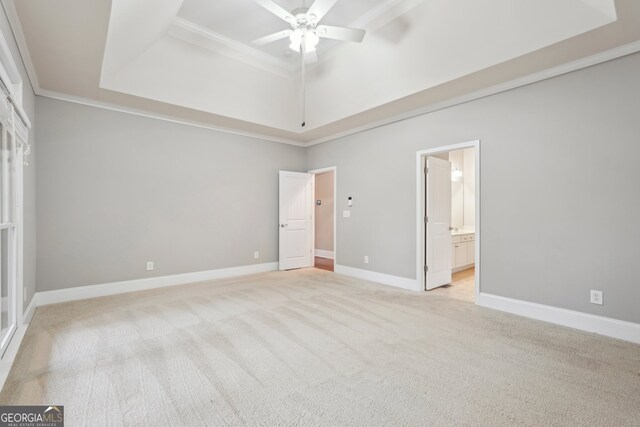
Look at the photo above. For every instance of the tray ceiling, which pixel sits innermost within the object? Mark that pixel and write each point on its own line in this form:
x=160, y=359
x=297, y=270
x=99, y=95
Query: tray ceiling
x=193, y=59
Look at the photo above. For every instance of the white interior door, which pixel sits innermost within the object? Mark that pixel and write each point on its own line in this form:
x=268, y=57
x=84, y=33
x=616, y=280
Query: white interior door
x=438, y=217
x=296, y=220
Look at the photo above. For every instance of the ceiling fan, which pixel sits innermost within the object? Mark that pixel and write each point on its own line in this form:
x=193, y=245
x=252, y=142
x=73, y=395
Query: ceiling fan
x=305, y=33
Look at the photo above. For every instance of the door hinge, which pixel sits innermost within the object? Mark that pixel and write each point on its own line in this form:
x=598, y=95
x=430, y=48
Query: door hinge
x=426, y=170
x=426, y=268
x=426, y=219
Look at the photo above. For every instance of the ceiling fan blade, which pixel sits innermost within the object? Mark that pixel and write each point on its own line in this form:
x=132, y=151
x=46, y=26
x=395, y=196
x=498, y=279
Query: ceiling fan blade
x=320, y=8
x=276, y=10
x=340, y=33
x=311, y=57
x=272, y=37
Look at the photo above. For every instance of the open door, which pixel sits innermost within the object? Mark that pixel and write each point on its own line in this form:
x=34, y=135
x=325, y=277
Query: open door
x=296, y=220
x=438, y=222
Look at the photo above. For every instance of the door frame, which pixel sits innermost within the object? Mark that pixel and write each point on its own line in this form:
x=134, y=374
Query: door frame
x=315, y=172
x=420, y=209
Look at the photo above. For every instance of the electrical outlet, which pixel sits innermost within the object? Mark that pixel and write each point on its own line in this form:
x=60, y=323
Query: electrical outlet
x=596, y=297
x=346, y=214
x=256, y=255
x=149, y=265
x=366, y=259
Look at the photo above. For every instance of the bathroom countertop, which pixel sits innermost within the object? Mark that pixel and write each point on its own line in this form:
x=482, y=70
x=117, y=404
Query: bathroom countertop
x=462, y=232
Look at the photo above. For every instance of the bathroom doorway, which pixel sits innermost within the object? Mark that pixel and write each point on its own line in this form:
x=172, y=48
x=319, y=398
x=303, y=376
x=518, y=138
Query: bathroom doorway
x=448, y=205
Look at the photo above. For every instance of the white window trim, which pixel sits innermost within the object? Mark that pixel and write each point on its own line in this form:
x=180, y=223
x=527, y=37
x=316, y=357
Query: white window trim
x=18, y=125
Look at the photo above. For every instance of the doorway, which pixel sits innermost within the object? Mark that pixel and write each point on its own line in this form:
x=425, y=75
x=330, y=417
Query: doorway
x=307, y=219
x=324, y=196
x=448, y=210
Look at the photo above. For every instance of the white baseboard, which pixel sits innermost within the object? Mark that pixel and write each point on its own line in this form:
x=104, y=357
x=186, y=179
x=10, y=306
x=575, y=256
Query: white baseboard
x=320, y=253
x=92, y=291
x=620, y=329
x=30, y=310
x=385, y=279
x=105, y=289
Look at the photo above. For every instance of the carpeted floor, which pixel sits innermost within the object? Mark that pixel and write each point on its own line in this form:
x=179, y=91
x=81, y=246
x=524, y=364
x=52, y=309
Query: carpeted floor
x=312, y=348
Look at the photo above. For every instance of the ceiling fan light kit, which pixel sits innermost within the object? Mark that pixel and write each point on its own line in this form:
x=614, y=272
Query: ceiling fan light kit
x=305, y=33
x=303, y=39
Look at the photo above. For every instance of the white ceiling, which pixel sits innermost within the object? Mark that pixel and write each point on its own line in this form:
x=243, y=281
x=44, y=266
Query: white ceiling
x=193, y=60
x=244, y=20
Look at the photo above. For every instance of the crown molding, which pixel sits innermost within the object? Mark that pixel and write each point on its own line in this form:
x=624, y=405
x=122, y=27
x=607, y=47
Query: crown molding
x=18, y=34
x=559, y=70
x=387, y=7
x=148, y=114
x=605, y=56
x=198, y=35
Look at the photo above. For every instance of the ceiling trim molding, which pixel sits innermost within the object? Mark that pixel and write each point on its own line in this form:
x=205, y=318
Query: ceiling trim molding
x=18, y=35
x=371, y=21
x=559, y=70
x=230, y=48
x=143, y=113
x=569, y=67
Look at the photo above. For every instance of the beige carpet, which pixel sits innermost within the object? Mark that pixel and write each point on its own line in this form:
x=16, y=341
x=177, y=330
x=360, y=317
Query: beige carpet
x=313, y=348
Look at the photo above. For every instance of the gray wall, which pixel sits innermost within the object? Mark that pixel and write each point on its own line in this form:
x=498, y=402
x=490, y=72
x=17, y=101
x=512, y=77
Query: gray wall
x=28, y=101
x=559, y=216
x=117, y=190
x=560, y=198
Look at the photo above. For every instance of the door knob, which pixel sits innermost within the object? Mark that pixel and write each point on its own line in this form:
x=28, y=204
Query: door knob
x=283, y=225
x=450, y=228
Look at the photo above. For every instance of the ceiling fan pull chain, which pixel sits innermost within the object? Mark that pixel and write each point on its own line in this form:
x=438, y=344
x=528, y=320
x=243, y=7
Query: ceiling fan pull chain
x=303, y=89
x=305, y=34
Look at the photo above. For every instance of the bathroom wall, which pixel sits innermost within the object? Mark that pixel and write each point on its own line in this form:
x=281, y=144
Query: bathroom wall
x=463, y=191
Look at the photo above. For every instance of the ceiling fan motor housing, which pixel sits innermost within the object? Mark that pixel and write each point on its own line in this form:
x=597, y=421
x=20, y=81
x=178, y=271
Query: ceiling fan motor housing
x=302, y=19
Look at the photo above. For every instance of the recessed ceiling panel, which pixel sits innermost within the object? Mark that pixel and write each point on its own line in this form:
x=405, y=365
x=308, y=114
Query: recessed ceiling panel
x=245, y=20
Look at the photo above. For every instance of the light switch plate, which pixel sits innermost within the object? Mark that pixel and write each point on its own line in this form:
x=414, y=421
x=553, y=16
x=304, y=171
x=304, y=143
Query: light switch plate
x=346, y=214
x=256, y=255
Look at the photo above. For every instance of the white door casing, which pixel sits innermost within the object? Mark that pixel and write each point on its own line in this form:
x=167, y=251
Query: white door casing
x=438, y=229
x=296, y=220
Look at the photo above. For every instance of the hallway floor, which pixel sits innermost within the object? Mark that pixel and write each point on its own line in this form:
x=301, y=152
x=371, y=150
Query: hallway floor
x=323, y=264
